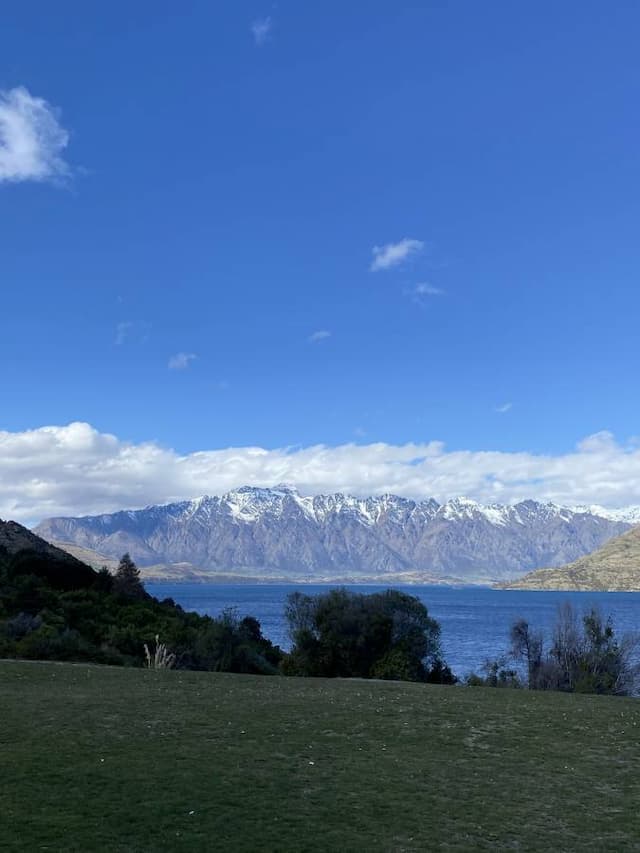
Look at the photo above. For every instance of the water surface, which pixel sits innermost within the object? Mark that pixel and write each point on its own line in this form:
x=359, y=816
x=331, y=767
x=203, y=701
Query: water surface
x=475, y=621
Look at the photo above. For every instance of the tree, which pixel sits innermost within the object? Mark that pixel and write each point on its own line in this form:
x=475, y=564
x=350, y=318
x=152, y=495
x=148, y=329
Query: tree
x=526, y=645
x=347, y=634
x=104, y=580
x=127, y=579
x=606, y=664
x=585, y=655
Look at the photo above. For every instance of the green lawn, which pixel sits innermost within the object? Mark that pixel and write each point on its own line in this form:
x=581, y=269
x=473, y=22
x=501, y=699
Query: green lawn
x=99, y=758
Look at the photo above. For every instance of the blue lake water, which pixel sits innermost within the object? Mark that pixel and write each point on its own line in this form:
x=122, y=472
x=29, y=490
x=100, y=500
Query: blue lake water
x=475, y=621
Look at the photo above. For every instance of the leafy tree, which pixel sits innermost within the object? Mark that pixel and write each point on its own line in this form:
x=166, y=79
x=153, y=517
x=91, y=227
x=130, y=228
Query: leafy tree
x=347, y=634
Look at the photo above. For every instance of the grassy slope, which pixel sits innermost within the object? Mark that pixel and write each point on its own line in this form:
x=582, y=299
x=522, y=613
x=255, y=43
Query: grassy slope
x=614, y=567
x=97, y=758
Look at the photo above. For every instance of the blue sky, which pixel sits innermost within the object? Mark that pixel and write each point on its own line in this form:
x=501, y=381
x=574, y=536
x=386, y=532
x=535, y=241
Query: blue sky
x=230, y=170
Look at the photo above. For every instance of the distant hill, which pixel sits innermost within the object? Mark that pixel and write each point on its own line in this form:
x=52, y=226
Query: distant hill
x=86, y=555
x=277, y=532
x=613, y=568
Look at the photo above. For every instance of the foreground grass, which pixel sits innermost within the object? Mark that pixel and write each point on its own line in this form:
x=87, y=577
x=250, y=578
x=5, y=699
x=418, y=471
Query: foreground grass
x=99, y=758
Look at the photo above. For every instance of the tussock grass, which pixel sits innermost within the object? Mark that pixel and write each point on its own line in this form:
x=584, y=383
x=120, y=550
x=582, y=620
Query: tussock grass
x=100, y=758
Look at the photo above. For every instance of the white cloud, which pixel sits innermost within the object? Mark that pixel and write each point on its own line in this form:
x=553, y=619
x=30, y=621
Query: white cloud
x=261, y=29
x=505, y=407
x=181, y=360
x=392, y=254
x=123, y=330
x=128, y=332
x=320, y=335
x=422, y=292
x=425, y=289
x=599, y=442
x=31, y=138
x=74, y=470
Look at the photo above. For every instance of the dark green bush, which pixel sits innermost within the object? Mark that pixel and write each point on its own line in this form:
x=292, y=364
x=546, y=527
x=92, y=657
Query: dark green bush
x=346, y=634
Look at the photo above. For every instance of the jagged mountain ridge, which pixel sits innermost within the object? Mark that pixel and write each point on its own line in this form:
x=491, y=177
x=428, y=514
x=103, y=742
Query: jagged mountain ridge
x=278, y=531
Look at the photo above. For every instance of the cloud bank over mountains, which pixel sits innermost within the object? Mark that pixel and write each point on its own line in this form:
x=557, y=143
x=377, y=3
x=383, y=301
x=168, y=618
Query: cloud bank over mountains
x=76, y=470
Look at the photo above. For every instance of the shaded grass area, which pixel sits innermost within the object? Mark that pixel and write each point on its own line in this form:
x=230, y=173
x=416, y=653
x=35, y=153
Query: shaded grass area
x=99, y=758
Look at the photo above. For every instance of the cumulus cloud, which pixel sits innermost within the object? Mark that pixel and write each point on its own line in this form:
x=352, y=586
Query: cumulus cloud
x=320, y=335
x=505, y=407
x=261, y=30
x=76, y=470
x=392, y=254
x=31, y=138
x=181, y=360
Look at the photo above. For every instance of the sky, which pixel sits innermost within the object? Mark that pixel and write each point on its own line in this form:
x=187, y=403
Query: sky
x=382, y=246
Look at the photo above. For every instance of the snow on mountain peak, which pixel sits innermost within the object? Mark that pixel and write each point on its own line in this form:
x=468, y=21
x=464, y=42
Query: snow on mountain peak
x=462, y=507
x=627, y=514
x=250, y=503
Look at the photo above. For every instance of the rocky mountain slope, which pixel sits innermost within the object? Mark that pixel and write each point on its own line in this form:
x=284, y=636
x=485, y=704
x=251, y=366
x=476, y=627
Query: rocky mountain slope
x=278, y=532
x=614, y=567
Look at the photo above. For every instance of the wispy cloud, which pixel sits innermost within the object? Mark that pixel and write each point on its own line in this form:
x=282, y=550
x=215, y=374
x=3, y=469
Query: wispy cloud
x=76, y=470
x=31, y=139
x=505, y=407
x=261, y=29
x=123, y=331
x=320, y=335
x=129, y=332
x=423, y=291
x=181, y=360
x=392, y=254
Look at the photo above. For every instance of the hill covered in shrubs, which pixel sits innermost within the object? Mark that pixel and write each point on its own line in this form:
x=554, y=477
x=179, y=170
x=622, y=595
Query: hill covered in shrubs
x=54, y=607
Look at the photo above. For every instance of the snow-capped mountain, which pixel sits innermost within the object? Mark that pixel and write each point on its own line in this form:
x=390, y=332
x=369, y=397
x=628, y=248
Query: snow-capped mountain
x=277, y=531
x=628, y=514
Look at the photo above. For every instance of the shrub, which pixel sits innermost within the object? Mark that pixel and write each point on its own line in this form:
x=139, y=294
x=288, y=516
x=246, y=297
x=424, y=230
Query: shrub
x=584, y=656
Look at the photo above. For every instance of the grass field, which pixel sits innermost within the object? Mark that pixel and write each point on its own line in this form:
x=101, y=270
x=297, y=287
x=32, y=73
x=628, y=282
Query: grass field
x=100, y=758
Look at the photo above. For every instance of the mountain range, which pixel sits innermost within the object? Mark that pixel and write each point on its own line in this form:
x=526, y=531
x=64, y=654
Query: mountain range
x=269, y=533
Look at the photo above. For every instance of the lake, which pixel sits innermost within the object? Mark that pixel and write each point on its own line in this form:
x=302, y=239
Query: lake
x=475, y=621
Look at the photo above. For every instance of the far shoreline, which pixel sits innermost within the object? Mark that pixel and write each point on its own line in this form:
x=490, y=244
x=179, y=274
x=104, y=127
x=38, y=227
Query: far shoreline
x=244, y=580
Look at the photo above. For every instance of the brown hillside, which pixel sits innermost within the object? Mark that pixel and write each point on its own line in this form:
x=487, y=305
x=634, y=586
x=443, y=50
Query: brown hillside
x=613, y=568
